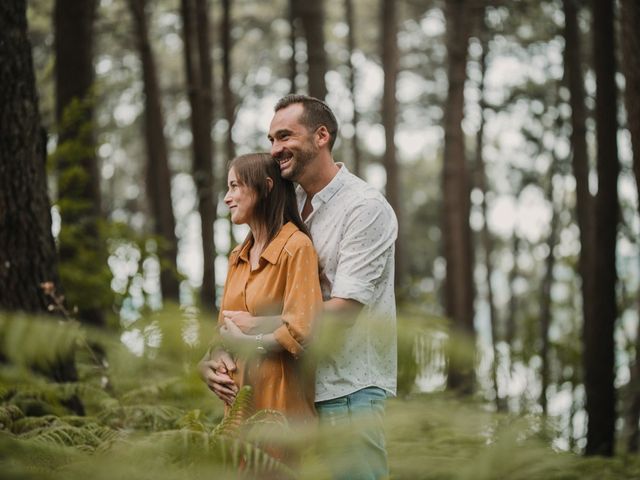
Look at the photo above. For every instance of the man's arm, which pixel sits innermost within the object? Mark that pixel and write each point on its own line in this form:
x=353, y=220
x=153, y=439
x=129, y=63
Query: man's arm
x=345, y=310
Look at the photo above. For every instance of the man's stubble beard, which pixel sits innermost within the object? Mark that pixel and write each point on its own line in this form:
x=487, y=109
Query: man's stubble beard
x=301, y=160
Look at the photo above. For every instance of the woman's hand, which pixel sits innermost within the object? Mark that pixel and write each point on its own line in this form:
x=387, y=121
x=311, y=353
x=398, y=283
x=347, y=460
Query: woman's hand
x=251, y=325
x=233, y=336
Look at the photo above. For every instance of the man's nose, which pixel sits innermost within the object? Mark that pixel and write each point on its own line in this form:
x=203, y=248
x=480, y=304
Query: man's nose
x=276, y=148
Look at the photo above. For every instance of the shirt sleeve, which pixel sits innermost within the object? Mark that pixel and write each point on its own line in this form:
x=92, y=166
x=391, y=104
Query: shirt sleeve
x=302, y=299
x=366, y=247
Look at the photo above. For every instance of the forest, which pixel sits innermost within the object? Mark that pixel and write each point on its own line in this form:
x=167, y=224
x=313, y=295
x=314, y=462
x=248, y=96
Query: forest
x=505, y=135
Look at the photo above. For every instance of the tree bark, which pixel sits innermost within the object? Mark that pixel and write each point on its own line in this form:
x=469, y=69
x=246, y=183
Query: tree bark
x=27, y=249
x=545, y=293
x=83, y=254
x=486, y=237
x=598, y=335
x=580, y=158
x=198, y=68
x=388, y=19
x=311, y=15
x=158, y=175
x=630, y=19
x=229, y=99
x=351, y=45
x=457, y=204
x=293, y=63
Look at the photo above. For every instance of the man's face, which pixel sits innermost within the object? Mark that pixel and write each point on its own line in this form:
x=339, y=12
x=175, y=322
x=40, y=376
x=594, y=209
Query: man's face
x=292, y=144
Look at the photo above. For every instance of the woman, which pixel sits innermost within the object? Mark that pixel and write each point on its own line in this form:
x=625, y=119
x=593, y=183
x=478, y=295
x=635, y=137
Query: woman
x=273, y=273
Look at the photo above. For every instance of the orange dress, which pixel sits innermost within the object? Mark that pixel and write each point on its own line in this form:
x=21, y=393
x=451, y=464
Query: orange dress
x=285, y=283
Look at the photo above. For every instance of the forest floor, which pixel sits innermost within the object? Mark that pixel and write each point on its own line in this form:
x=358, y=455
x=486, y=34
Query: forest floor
x=147, y=415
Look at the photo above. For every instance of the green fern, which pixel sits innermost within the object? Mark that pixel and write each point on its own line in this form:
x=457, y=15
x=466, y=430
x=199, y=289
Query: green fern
x=240, y=411
x=144, y=417
x=9, y=414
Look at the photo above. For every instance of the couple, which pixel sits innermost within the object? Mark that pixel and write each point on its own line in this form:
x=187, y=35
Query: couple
x=274, y=292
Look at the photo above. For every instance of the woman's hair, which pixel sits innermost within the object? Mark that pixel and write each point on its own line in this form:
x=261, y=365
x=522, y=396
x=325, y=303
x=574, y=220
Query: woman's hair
x=276, y=206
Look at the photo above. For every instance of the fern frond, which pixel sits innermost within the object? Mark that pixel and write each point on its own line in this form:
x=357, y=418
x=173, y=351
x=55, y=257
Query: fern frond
x=148, y=391
x=86, y=438
x=8, y=415
x=241, y=409
x=191, y=421
x=238, y=453
x=145, y=417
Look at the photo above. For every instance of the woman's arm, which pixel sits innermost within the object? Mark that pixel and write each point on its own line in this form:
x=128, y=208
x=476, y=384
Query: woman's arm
x=252, y=325
x=246, y=343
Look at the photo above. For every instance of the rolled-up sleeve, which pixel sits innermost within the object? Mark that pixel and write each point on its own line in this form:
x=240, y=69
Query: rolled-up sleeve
x=365, y=249
x=302, y=298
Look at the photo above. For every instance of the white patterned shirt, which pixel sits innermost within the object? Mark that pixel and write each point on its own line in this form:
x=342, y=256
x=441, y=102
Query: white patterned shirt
x=354, y=230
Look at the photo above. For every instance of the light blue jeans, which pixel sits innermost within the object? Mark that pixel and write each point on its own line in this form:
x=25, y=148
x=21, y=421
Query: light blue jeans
x=359, y=451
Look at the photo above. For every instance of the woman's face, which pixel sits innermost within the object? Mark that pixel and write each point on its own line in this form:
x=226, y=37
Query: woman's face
x=240, y=199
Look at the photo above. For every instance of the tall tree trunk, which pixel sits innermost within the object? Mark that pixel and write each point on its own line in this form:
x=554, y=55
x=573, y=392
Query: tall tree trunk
x=311, y=15
x=457, y=204
x=633, y=411
x=630, y=19
x=229, y=101
x=512, y=309
x=388, y=19
x=580, y=158
x=198, y=69
x=82, y=251
x=158, y=175
x=486, y=237
x=293, y=63
x=545, y=292
x=27, y=249
x=598, y=338
x=351, y=46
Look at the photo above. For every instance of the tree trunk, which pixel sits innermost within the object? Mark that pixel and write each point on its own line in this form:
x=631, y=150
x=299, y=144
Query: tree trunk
x=229, y=99
x=457, y=204
x=293, y=63
x=351, y=41
x=388, y=19
x=487, y=239
x=545, y=293
x=198, y=69
x=311, y=15
x=598, y=335
x=27, y=249
x=83, y=253
x=630, y=19
x=158, y=175
x=580, y=158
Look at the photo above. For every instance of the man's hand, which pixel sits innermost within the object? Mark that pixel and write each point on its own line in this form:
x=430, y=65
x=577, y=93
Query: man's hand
x=214, y=371
x=251, y=325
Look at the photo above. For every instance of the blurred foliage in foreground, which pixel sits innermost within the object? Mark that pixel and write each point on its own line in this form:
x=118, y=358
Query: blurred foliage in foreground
x=149, y=416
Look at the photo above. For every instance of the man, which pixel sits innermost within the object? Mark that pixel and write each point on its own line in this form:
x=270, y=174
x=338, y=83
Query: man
x=353, y=229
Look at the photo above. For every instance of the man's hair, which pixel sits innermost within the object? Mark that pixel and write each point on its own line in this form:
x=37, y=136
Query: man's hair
x=315, y=114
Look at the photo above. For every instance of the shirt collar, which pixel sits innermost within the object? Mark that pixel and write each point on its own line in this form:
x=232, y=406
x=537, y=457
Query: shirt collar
x=334, y=185
x=272, y=251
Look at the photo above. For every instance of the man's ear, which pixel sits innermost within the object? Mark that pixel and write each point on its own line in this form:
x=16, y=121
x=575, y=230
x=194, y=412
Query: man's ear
x=323, y=136
x=269, y=184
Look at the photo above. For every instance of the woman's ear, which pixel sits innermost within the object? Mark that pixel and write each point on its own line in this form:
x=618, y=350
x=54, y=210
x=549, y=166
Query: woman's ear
x=269, y=184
